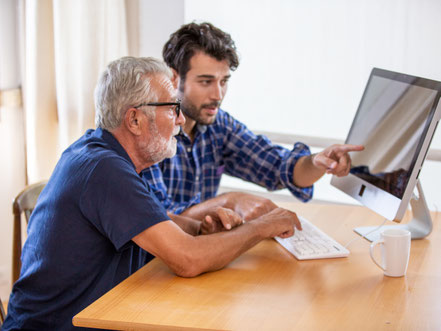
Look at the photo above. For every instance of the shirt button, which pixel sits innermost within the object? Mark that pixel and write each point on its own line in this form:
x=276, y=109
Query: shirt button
x=189, y=149
x=197, y=178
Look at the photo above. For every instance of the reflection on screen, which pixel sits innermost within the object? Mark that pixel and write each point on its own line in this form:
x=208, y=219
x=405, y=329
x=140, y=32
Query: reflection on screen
x=390, y=123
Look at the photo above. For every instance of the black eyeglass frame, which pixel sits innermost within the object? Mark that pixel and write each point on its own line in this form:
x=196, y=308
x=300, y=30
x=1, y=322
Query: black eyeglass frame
x=156, y=104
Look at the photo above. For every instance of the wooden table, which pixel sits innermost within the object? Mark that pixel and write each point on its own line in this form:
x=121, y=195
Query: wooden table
x=268, y=289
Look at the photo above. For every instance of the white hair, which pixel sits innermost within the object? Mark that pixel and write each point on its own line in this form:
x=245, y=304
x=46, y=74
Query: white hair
x=125, y=83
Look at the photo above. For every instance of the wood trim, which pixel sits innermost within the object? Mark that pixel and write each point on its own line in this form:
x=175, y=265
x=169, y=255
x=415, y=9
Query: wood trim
x=11, y=98
x=322, y=142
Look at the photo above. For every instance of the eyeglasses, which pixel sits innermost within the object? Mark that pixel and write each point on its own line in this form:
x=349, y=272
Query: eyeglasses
x=157, y=104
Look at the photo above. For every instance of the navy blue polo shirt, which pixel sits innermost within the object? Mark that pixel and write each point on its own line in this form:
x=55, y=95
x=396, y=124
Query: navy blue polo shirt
x=79, y=235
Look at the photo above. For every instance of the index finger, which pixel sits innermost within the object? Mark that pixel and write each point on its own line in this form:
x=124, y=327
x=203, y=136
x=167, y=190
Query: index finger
x=229, y=218
x=298, y=225
x=224, y=218
x=345, y=148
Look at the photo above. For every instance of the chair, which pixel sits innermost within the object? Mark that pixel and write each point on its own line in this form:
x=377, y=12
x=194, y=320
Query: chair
x=24, y=203
x=2, y=313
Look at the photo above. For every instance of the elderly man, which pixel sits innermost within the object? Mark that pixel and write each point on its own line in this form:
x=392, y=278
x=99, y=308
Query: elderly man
x=96, y=222
x=212, y=142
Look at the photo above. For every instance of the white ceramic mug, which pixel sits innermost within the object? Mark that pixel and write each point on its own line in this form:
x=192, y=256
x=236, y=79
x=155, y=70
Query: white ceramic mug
x=395, y=251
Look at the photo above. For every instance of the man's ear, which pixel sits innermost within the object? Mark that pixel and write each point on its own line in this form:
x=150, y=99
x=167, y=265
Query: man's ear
x=175, y=79
x=132, y=121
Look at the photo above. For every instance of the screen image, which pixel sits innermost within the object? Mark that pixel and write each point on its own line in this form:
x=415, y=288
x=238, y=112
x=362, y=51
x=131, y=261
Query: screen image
x=391, y=123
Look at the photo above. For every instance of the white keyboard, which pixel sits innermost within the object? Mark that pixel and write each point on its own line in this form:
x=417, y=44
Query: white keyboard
x=312, y=243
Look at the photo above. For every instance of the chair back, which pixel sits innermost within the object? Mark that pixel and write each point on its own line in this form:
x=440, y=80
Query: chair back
x=23, y=204
x=2, y=313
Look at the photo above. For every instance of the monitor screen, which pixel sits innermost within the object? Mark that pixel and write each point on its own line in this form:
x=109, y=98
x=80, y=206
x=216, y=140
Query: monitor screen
x=391, y=121
x=395, y=121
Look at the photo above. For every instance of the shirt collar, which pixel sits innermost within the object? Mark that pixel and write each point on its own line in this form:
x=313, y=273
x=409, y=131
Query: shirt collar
x=113, y=143
x=200, y=129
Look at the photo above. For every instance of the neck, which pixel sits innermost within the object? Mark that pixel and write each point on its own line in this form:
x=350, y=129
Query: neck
x=189, y=128
x=128, y=143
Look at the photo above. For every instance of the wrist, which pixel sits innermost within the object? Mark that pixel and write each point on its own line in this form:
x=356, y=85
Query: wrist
x=312, y=161
x=258, y=227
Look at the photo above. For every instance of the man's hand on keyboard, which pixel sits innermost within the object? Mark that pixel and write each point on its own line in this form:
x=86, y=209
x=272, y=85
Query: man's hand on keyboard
x=312, y=243
x=279, y=222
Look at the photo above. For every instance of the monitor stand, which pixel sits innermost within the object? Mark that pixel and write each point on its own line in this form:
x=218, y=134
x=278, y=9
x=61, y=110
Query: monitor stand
x=419, y=226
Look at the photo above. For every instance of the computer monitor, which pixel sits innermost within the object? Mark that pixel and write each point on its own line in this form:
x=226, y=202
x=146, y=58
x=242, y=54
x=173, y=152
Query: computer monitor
x=395, y=121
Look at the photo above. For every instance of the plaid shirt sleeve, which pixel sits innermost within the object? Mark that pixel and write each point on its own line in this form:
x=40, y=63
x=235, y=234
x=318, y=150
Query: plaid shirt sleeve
x=255, y=159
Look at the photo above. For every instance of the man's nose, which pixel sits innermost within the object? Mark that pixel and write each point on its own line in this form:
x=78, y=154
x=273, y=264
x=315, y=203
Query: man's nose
x=180, y=120
x=217, y=92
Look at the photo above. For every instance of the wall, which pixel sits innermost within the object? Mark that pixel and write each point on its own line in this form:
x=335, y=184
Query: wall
x=306, y=63
x=157, y=20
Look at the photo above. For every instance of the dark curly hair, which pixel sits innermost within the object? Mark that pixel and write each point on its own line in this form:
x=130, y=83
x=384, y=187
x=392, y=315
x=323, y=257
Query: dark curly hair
x=192, y=38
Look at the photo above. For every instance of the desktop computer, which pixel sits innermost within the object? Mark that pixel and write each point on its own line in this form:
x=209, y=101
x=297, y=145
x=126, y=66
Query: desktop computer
x=395, y=121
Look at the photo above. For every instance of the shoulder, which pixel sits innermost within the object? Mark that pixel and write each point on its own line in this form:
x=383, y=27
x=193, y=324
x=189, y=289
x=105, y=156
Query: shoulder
x=233, y=127
x=98, y=149
x=112, y=166
x=224, y=118
x=226, y=123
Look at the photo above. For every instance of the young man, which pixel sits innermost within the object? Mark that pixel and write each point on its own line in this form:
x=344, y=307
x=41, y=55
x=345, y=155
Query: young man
x=96, y=222
x=212, y=142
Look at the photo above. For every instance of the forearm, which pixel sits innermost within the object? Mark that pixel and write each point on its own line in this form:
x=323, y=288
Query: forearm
x=200, y=210
x=248, y=206
x=215, y=251
x=189, y=256
x=333, y=160
x=306, y=173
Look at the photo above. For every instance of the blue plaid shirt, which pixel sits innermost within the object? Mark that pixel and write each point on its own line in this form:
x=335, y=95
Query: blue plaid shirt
x=226, y=146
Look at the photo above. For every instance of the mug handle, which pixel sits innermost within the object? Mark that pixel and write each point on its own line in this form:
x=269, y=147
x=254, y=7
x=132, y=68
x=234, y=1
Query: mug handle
x=371, y=251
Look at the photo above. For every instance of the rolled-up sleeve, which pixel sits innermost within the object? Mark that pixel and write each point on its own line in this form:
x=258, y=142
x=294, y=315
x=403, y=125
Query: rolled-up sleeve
x=287, y=172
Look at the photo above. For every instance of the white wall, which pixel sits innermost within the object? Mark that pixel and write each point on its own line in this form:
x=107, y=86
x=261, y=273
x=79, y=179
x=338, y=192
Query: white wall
x=157, y=20
x=304, y=64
